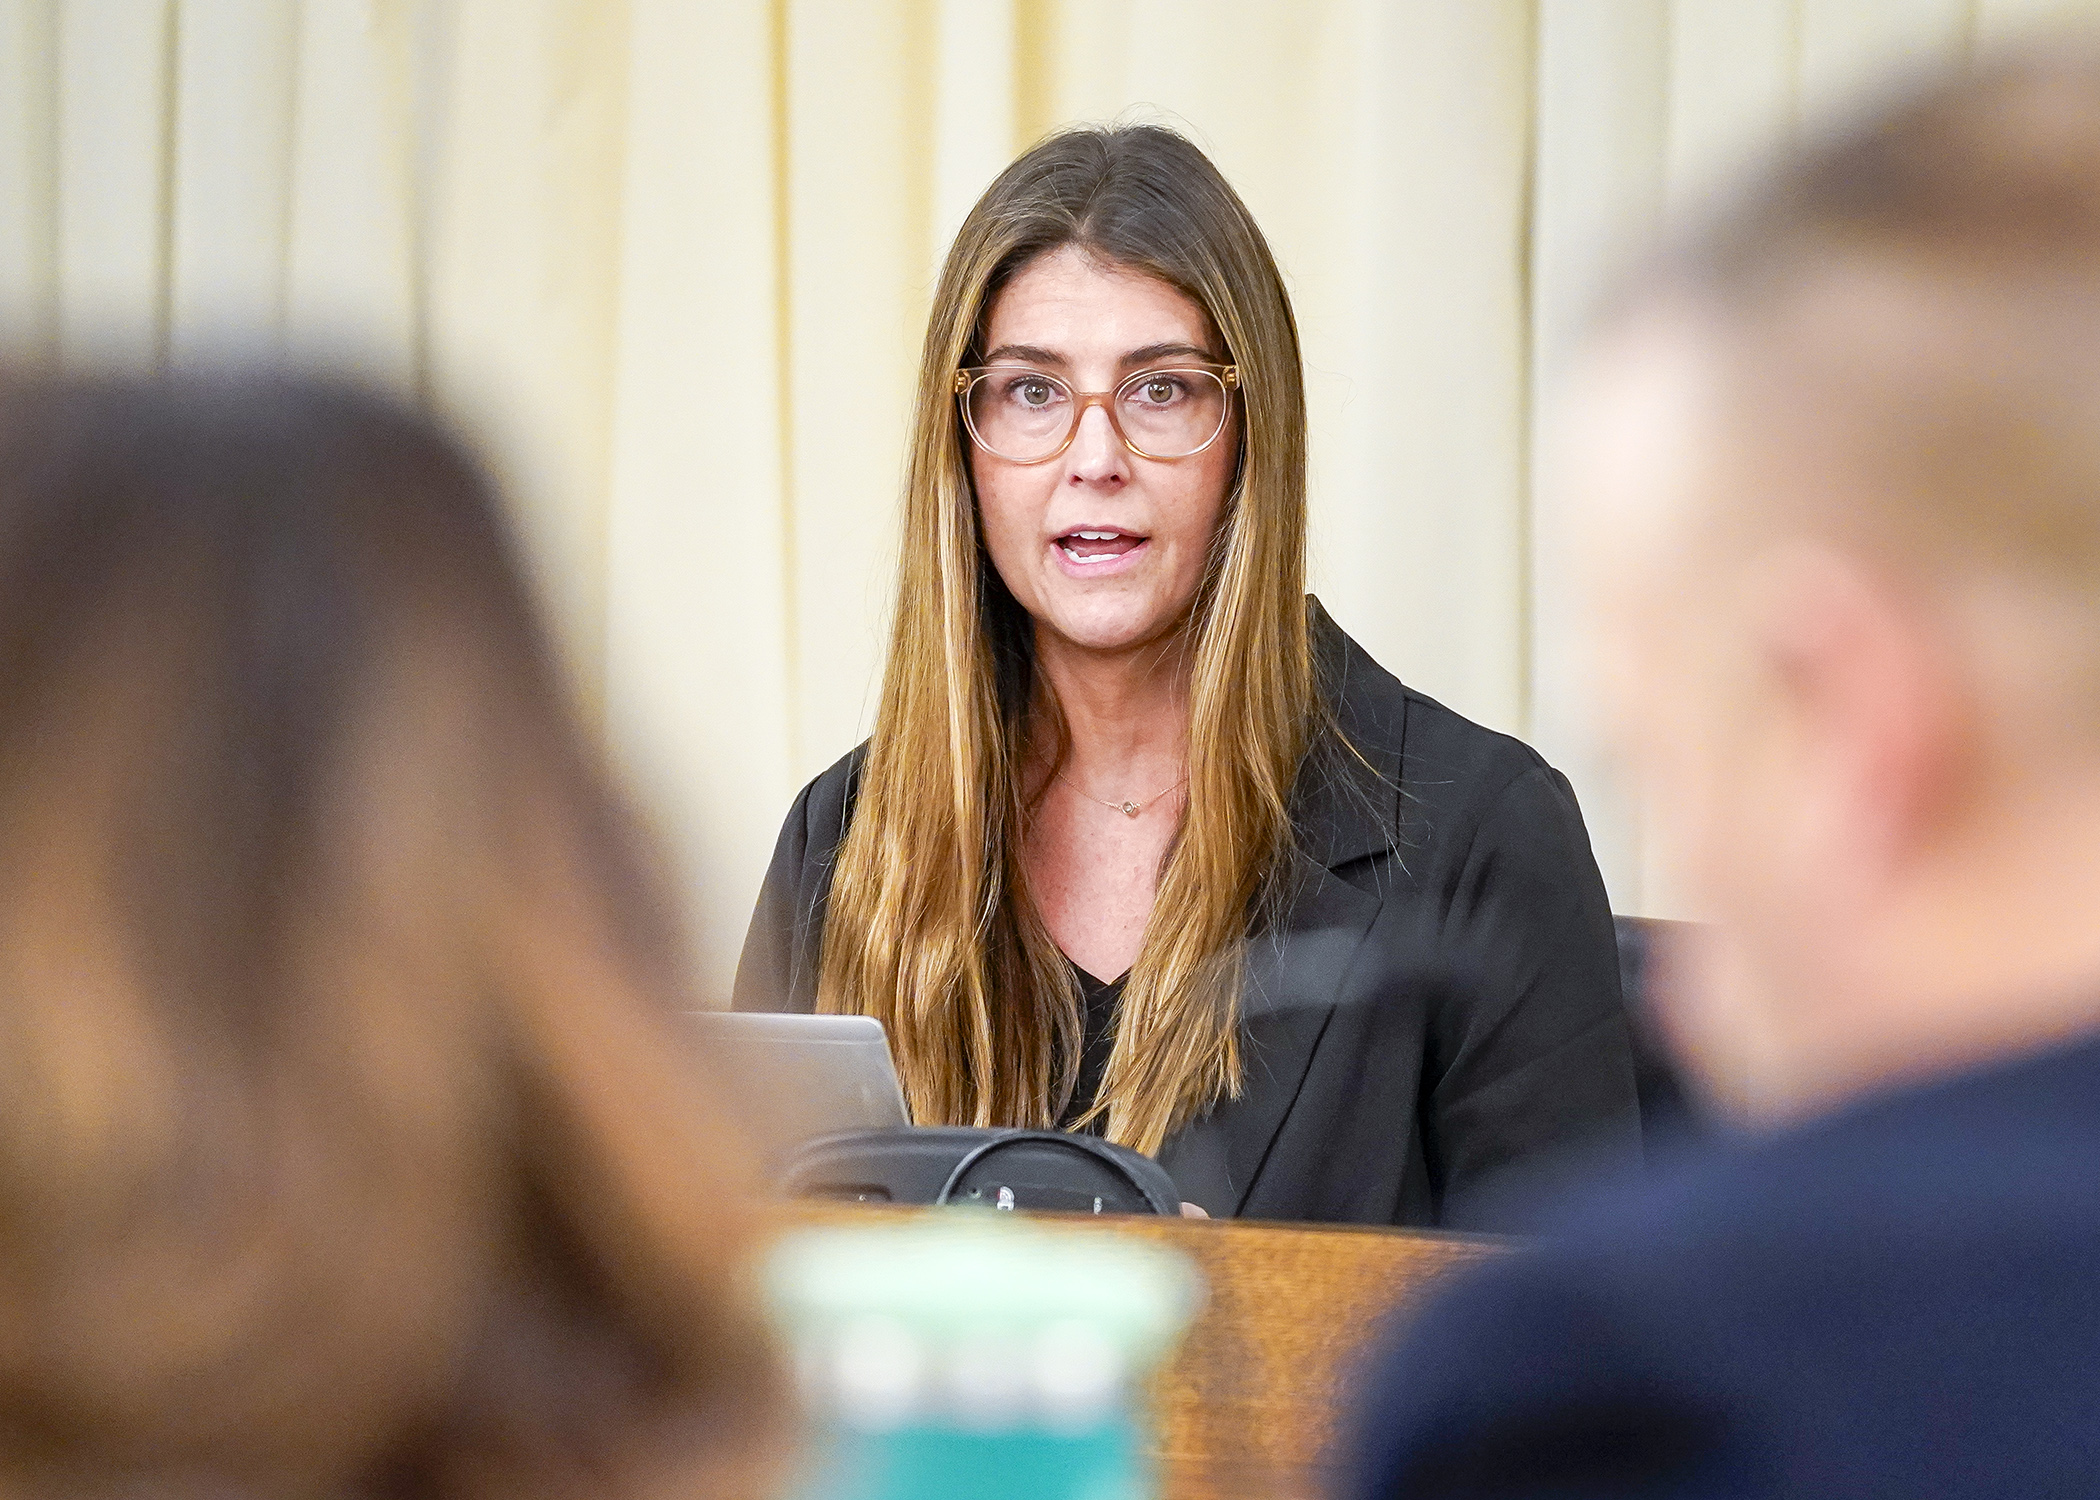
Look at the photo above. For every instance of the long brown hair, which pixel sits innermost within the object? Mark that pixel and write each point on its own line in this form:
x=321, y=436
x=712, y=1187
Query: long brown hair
x=347, y=1137
x=930, y=926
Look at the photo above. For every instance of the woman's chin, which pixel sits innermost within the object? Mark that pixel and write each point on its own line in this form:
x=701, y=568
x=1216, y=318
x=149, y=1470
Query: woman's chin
x=1108, y=632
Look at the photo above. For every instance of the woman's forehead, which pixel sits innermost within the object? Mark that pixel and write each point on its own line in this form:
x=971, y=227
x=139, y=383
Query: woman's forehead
x=1081, y=308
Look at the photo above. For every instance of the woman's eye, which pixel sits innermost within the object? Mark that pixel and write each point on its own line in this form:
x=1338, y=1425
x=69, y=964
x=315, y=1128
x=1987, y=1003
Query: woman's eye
x=1160, y=390
x=1031, y=393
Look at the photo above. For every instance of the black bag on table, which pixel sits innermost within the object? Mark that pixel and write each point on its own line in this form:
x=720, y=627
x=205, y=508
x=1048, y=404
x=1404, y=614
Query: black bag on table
x=1014, y=1169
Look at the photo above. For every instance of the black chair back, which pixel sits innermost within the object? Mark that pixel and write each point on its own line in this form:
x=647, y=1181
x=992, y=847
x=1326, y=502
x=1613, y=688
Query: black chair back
x=1669, y=1111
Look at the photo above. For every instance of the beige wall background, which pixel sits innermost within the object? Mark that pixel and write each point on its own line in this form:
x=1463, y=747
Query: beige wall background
x=669, y=260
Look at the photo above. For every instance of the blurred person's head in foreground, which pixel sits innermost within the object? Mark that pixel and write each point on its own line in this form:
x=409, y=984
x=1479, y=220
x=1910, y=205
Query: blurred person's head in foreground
x=346, y=1139
x=1841, y=454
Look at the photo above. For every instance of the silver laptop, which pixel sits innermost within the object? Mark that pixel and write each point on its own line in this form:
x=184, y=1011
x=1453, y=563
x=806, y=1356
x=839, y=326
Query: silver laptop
x=798, y=1077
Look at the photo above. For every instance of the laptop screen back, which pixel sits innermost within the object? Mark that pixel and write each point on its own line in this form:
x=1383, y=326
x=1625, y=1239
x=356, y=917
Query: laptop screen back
x=797, y=1077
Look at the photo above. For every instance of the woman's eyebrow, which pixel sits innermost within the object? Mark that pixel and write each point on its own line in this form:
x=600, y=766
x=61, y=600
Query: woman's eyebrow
x=1035, y=354
x=1028, y=353
x=1151, y=352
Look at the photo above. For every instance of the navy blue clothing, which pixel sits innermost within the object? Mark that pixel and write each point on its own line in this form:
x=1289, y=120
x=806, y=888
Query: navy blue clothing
x=1900, y=1299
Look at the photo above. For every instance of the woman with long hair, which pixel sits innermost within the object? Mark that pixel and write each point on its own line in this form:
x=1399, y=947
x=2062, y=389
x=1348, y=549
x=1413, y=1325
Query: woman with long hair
x=350, y=1141
x=1142, y=842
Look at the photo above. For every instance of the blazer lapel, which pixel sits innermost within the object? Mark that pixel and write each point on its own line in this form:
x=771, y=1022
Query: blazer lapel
x=1293, y=977
x=1346, y=806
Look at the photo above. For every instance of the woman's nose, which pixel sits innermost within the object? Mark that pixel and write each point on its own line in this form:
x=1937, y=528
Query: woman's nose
x=1097, y=455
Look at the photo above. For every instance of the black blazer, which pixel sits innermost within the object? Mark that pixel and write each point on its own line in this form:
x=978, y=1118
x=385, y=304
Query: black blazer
x=1901, y=1300
x=1438, y=1005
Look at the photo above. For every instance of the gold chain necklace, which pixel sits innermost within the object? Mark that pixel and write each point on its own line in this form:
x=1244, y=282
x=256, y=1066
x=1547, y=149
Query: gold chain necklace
x=1127, y=809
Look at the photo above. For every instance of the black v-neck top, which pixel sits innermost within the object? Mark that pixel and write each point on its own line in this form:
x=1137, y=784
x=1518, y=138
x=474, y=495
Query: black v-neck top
x=1099, y=1000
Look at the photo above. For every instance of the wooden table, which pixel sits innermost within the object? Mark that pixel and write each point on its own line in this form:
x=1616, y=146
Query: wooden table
x=1250, y=1405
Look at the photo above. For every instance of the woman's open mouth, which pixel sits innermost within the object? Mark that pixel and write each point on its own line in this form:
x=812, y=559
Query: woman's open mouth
x=1095, y=548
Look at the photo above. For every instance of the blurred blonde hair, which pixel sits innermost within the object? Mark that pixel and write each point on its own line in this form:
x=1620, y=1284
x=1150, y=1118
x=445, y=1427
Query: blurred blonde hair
x=347, y=1134
x=930, y=926
x=1921, y=289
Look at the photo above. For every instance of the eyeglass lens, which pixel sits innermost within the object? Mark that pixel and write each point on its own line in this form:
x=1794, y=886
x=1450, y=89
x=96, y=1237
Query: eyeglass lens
x=1026, y=415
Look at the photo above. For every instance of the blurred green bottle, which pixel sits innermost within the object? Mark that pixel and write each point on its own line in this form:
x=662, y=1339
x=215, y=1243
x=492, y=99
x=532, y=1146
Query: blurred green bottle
x=970, y=1356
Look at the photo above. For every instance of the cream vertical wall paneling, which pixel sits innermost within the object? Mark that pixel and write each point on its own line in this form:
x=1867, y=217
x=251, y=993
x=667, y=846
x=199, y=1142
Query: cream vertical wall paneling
x=975, y=108
x=230, y=206
x=671, y=260
x=1847, y=44
x=1732, y=73
x=112, y=71
x=28, y=175
x=2005, y=20
x=351, y=255
x=1415, y=380
x=859, y=259
x=698, y=671
x=523, y=273
x=1078, y=55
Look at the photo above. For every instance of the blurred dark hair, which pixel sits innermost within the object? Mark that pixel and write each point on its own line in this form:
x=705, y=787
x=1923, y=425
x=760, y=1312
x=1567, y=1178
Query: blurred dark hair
x=348, y=1140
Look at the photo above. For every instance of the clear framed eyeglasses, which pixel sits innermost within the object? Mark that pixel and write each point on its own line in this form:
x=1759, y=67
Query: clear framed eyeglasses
x=1028, y=417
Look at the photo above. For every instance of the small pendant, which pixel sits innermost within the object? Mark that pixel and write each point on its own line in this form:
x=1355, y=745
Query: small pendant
x=1131, y=809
